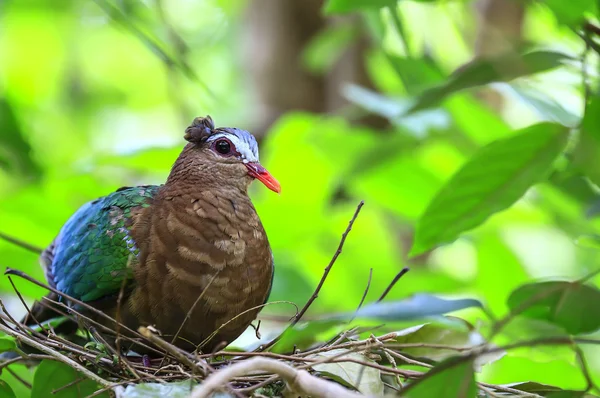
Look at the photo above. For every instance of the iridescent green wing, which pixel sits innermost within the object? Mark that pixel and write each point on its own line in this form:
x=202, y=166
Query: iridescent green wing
x=94, y=251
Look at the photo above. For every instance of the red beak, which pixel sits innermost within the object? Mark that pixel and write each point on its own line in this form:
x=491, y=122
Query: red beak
x=261, y=174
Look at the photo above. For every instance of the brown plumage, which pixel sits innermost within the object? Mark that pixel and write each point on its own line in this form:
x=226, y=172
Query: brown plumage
x=196, y=240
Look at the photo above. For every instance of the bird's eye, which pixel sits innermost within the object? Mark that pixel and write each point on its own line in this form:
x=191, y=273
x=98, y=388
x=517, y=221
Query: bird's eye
x=223, y=147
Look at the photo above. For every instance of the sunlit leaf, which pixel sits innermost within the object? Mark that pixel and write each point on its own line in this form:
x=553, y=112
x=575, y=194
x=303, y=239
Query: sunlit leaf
x=482, y=71
x=445, y=381
x=415, y=307
x=546, y=107
x=57, y=379
x=365, y=379
x=344, y=6
x=572, y=305
x=179, y=389
x=493, y=179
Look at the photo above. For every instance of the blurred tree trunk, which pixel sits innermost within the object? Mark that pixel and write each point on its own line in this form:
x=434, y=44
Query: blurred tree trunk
x=276, y=34
x=500, y=25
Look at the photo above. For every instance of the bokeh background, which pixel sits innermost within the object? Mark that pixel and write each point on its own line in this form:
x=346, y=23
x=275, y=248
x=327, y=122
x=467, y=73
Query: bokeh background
x=95, y=95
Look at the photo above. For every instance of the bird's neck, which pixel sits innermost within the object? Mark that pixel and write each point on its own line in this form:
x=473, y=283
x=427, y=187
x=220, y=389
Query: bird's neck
x=191, y=175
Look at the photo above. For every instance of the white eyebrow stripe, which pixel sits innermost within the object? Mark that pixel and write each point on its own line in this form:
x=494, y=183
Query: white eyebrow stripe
x=242, y=146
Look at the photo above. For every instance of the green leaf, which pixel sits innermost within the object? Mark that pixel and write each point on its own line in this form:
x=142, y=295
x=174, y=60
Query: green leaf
x=495, y=177
x=416, y=74
x=415, y=307
x=587, y=151
x=345, y=6
x=457, y=335
x=482, y=71
x=7, y=344
x=179, y=389
x=51, y=377
x=15, y=151
x=6, y=391
x=571, y=305
x=445, y=380
x=365, y=379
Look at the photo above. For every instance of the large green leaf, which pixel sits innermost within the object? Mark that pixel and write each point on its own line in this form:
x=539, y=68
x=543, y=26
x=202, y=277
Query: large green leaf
x=482, y=71
x=587, y=151
x=52, y=379
x=415, y=307
x=457, y=335
x=445, y=380
x=5, y=390
x=570, y=12
x=345, y=6
x=572, y=305
x=492, y=180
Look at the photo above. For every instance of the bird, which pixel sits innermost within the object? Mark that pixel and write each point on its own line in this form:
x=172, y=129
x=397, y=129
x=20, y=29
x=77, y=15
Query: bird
x=189, y=258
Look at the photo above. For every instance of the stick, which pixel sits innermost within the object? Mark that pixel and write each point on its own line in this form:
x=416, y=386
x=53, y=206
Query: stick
x=171, y=349
x=22, y=244
x=10, y=271
x=57, y=355
x=298, y=380
x=314, y=296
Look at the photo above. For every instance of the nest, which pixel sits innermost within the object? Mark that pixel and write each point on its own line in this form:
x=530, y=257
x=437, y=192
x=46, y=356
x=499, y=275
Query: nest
x=258, y=372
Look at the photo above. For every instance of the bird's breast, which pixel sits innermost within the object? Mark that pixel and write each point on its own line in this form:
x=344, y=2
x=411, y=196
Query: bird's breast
x=206, y=251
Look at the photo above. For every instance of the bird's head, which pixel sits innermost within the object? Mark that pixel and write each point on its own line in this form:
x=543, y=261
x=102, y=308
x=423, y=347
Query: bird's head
x=225, y=152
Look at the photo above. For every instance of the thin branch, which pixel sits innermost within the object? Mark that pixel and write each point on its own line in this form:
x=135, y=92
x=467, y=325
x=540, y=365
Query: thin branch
x=314, y=296
x=122, y=360
x=19, y=378
x=57, y=355
x=22, y=244
x=25, y=304
x=10, y=271
x=393, y=282
x=584, y=369
x=592, y=28
x=298, y=380
x=362, y=300
x=177, y=353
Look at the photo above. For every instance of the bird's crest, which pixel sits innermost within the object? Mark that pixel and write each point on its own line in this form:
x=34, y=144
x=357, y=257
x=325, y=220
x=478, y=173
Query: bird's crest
x=200, y=129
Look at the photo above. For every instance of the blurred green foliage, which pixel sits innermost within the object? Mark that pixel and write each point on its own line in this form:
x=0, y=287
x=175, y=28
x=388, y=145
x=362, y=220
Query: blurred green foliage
x=95, y=95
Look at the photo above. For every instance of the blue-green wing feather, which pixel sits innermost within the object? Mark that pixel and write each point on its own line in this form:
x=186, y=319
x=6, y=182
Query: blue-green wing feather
x=94, y=252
